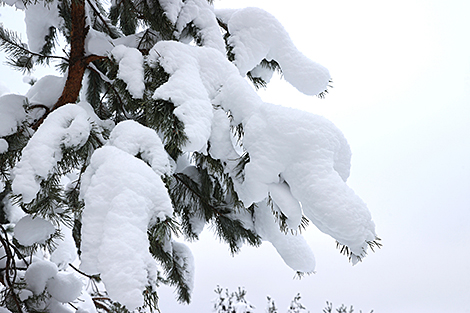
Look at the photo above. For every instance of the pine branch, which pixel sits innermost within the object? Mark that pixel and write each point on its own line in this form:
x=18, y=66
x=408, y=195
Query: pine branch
x=112, y=33
x=20, y=56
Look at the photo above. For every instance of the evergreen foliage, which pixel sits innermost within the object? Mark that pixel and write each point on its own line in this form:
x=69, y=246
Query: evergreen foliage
x=202, y=188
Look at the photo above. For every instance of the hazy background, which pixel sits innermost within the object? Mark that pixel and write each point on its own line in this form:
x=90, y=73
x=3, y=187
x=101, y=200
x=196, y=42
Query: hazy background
x=401, y=77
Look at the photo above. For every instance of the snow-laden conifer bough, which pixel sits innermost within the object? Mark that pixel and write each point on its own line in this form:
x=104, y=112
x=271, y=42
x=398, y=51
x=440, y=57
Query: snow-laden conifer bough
x=151, y=132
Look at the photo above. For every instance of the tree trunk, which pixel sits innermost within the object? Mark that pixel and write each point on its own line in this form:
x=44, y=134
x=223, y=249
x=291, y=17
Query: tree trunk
x=77, y=60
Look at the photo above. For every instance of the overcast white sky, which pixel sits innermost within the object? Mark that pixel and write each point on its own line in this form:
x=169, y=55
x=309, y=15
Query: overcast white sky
x=401, y=72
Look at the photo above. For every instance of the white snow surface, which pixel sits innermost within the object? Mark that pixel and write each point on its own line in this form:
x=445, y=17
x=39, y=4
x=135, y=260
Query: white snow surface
x=39, y=17
x=282, y=197
x=67, y=126
x=256, y=35
x=293, y=249
x=313, y=157
x=66, y=252
x=201, y=14
x=123, y=197
x=131, y=69
x=46, y=91
x=172, y=8
x=306, y=151
x=29, y=230
x=64, y=287
x=12, y=113
x=135, y=139
x=86, y=305
x=186, y=90
x=98, y=43
x=37, y=275
x=185, y=259
x=3, y=149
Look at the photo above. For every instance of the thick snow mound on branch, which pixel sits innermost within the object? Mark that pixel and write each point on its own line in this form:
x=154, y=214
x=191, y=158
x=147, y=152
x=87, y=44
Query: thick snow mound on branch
x=131, y=69
x=201, y=14
x=66, y=127
x=29, y=230
x=313, y=157
x=46, y=91
x=305, y=151
x=186, y=90
x=256, y=35
x=37, y=275
x=137, y=139
x=43, y=275
x=98, y=43
x=288, y=205
x=293, y=249
x=123, y=197
x=64, y=287
x=39, y=17
x=12, y=113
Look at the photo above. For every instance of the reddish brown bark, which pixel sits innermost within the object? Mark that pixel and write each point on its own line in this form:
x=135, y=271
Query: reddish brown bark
x=77, y=60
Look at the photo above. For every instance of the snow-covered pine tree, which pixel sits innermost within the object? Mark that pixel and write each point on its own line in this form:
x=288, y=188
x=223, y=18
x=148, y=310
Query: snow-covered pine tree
x=151, y=132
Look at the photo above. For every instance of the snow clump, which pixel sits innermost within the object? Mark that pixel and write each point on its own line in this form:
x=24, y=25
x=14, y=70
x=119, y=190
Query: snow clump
x=131, y=69
x=66, y=127
x=123, y=198
x=254, y=35
x=29, y=230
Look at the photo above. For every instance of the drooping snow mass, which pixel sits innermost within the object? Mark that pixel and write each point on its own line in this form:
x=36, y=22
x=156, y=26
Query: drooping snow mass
x=288, y=205
x=12, y=113
x=313, y=157
x=136, y=139
x=131, y=69
x=123, y=196
x=280, y=160
x=186, y=90
x=201, y=14
x=293, y=249
x=185, y=259
x=306, y=151
x=29, y=230
x=39, y=17
x=66, y=127
x=255, y=35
